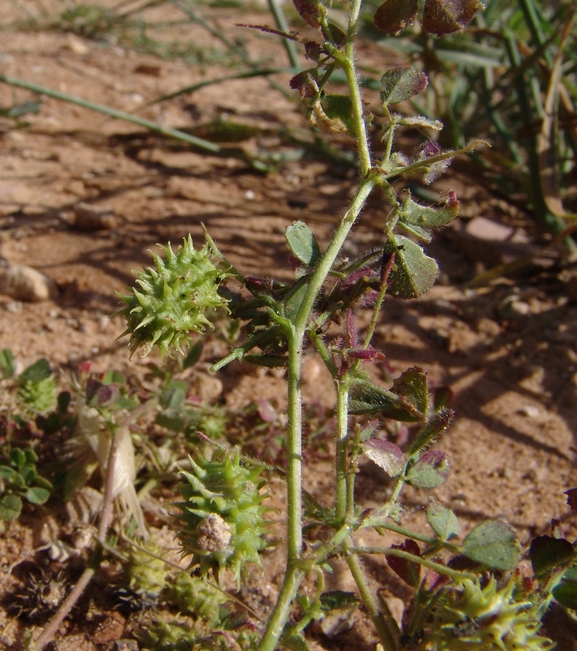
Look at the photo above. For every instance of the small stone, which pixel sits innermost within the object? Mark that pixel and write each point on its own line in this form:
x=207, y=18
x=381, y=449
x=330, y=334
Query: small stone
x=530, y=411
x=27, y=284
x=94, y=218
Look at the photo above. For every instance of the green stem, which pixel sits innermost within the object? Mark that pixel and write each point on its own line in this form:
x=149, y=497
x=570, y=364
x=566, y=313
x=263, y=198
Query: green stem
x=281, y=22
x=281, y=612
x=387, y=639
x=342, y=387
x=425, y=562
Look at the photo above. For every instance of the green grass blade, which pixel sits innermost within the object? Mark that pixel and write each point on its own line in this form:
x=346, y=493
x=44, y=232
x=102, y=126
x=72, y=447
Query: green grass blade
x=113, y=113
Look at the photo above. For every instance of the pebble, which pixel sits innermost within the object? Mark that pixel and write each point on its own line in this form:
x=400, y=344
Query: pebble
x=94, y=218
x=530, y=411
x=24, y=283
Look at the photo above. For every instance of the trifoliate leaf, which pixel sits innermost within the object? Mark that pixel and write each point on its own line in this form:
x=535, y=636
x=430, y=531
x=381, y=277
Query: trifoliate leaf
x=413, y=272
x=415, y=214
x=310, y=11
x=547, y=553
x=443, y=521
x=447, y=16
x=10, y=507
x=303, y=244
x=493, y=543
x=414, y=387
x=430, y=471
x=368, y=398
x=566, y=594
x=386, y=455
x=395, y=15
x=400, y=84
x=37, y=495
x=407, y=570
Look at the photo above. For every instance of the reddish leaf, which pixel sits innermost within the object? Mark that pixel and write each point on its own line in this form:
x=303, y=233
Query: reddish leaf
x=409, y=571
x=447, y=16
x=386, y=455
x=395, y=15
x=310, y=11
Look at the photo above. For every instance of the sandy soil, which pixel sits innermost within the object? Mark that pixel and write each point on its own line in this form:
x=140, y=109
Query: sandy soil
x=505, y=350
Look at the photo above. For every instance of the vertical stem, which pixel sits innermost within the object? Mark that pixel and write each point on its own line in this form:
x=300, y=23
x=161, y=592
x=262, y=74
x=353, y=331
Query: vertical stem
x=385, y=635
x=342, y=387
x=294, y=449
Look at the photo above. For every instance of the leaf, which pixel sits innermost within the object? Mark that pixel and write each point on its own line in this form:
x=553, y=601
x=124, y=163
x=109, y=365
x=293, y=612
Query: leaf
x=303, y=244
x=409, y=571
x=193, y=355
x=368, y=398
x=493, y=543
x=36, y=372
x=447, y=16
x=7, y=363
x=432, y=470
x=340, y=107
x=414, y=387
x=114, y=377
x=547, y=553
x=395, y=15
x=413, y=213
x=10, y=507
x=386, y=455
x=37, y=495
x=566, y=594
x=268, y=361
x=310, y=11
x=400, y=84
x=413, y=272
x=443, y=521
x=435, y=426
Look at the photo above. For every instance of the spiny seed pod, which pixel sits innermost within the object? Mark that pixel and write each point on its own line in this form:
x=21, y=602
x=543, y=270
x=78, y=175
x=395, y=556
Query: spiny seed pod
x=192, y=595
x=173, y=299
x=145, y=572
x=489, y=618
x=222, y=514
x=38, y=395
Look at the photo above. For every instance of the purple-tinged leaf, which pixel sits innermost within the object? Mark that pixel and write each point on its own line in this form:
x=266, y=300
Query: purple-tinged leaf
x=447, y=16
x=302, y=82
x=432, y=470
x=493, y=543
x=400, y=84
x=407, y=570
x=395, y=15
x=312, y=50
x=107, y=395
x=566, y=594
x=310, y=11
x=547, y=553
x=369, y=354
x=572, y=498
x=443, y=521
x=266, y=411
x=386, y=455
x=414, y=387
x=92, y=388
